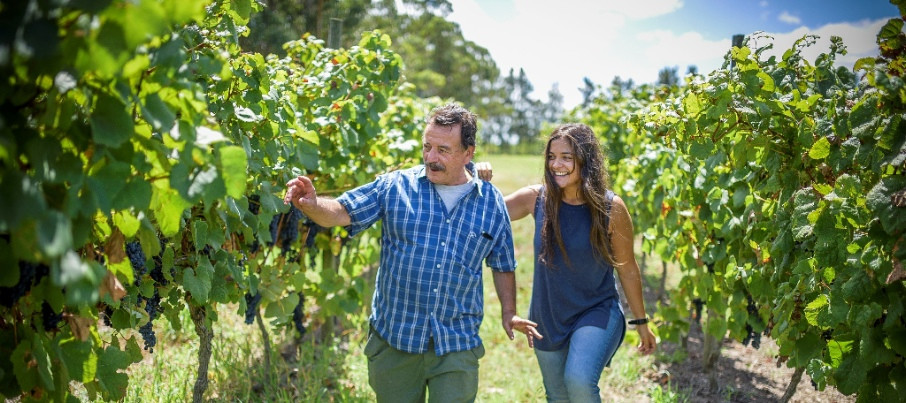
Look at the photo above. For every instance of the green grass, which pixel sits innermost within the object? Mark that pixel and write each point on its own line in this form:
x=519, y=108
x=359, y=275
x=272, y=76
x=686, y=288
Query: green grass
x=337, y=370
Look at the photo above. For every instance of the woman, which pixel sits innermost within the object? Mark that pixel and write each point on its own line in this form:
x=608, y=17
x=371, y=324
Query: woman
x=582, y=232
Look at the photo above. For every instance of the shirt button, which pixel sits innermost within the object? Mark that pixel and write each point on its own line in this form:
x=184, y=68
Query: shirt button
x=443, y=244
x=438, y=266
x=435, y=290
x=448, y=221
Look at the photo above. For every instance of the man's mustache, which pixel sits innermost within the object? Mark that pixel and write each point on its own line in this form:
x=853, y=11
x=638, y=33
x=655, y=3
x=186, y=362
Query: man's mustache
x=434, y=166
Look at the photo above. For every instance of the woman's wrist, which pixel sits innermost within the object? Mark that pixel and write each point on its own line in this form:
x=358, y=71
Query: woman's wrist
x=639, y=321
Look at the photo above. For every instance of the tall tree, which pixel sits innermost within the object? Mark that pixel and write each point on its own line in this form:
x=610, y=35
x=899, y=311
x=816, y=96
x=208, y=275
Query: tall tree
x=587, y=90
x=553, y=109
x=438, y=60
x=281, y=21
x=668, y=76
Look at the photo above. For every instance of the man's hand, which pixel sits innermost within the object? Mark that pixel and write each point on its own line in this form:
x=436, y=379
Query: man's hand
x=513, y=322
x=301, y=193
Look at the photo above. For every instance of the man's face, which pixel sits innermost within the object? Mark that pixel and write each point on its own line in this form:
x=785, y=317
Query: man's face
x=445, y=159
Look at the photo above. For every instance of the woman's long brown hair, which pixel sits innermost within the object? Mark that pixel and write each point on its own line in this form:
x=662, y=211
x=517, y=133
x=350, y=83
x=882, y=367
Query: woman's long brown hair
x=594, y=182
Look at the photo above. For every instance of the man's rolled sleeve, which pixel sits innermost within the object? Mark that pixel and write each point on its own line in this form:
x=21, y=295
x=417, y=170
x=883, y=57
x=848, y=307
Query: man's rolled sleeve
x=364, y=205
x=502, y=257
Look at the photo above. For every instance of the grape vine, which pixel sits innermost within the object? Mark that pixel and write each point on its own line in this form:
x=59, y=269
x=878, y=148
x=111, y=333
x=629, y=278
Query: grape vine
x=772, y=183
x=140, y=178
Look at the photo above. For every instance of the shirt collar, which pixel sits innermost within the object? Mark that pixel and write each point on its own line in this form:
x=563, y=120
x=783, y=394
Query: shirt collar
x=422, y=175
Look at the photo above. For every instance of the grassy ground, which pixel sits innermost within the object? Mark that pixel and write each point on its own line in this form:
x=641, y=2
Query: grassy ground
x=337, y=371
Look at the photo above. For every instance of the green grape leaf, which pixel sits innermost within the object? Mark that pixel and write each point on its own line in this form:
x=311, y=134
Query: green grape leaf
x=878, y=200
x=692, y=105
x=42, y=359
x=111, y=362
x=111, y=124
x=837, y=311
x=233, y=164
x=182, y=11
x=127, y=223
x=872, y=348
x=157, y=113
x=21, y=198
x=200, y=234
x=897, y=339
x=54, y=234
x=814, y=309
x=851, y=374
x=891, y=30
x=80, y=360
x=243, y=9
x=807, y=348
x=20, y=358
x=701, y=149
x=39, y=40
x=108, y=182
x=133, y=349
x=219, y=286
x=80, y=278
x=858, y=287
x=804, y=202
x=168, y=207
x=282, y=308
x=198, y=282
x=820, y=150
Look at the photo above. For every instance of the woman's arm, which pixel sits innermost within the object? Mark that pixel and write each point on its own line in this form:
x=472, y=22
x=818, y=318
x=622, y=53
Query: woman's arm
x=522, y=202
x=519, y=203
x=622, y=240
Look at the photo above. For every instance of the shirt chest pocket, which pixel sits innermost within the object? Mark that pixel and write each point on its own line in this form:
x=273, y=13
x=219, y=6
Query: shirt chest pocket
x=473, y=249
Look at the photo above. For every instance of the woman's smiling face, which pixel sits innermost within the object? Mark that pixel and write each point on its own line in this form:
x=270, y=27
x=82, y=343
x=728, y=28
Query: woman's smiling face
x=561, y=162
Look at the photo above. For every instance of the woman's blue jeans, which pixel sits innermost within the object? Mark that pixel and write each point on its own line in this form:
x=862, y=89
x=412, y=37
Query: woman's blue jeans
x=571, y=374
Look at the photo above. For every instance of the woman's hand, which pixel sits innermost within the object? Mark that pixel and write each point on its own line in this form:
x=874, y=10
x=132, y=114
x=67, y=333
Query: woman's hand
x=647, y=341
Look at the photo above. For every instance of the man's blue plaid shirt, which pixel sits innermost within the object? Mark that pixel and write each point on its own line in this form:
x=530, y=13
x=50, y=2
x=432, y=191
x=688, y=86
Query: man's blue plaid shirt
x=429, y=282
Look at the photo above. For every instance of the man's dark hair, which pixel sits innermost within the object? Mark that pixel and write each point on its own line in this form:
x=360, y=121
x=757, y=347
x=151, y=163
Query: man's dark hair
x=452, y=114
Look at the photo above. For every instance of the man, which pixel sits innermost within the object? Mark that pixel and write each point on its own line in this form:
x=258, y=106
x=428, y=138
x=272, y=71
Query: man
x=440, y=222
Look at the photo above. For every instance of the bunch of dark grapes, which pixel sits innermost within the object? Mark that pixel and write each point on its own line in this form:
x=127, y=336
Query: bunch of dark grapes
x=313, y=230
x=27, y=274
x=299, y=315
x=284, y=228
x=137, y=258
x=251, y=307
x=207, y=251
x=753, y=337
x=106, y=315
x=50, y=318
x=254, y=204
x=157, y=272
x=152, y=307
x=697, y=306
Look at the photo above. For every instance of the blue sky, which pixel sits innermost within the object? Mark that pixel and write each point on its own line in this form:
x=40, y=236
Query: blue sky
x=561, y=41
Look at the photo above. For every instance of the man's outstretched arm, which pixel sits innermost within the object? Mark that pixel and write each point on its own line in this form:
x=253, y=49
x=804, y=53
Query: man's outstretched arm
x=323, y=211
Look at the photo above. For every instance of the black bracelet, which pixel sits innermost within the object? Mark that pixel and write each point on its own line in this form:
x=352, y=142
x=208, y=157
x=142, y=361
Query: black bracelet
x=638, y=321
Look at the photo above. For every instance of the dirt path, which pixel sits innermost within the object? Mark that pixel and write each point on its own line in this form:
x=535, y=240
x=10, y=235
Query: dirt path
x=744, y=375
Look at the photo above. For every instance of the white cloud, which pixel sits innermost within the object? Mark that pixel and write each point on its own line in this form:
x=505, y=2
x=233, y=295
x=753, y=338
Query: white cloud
x=789, y=18
x=763, y=3
x=572, y=39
